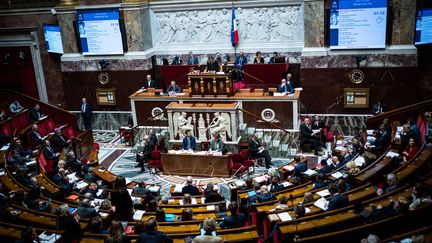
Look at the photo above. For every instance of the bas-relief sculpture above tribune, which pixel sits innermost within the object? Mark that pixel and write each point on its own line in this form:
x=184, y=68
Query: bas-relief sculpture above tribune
x=256, y=25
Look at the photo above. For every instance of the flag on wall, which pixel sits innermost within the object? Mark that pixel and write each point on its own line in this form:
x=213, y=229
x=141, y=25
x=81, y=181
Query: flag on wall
x=234, y=29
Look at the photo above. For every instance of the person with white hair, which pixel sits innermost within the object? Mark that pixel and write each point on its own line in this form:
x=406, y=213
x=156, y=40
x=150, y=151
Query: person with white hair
x=392, y=184
x=346, y=157
x=190, y=188
x=209, y=226
x=146, y=152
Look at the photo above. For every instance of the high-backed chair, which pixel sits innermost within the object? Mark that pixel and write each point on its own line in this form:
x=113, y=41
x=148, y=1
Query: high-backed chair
x=155, y=162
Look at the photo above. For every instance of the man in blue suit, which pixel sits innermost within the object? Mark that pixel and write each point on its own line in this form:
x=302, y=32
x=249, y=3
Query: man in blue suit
x=240, y=61
x=192, y=60
x=189, y=142
x=235, y=220
x=337, y=200
x=86, y=113
x=345, y=157
x=285, y=87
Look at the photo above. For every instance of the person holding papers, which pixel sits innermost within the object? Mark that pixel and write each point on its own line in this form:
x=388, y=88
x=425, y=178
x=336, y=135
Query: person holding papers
x=285, y=87
x=189, y=142
x=35, y=113
x=145, y=155
x=216, y=144
x=234, y=220
x=173, y=88
x=337, y=200
x=307, y=135
x=258, y=151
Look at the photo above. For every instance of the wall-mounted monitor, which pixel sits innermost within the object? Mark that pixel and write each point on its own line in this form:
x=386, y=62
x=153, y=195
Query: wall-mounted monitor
x=100, y=32
x=358, y=24
x=423, y=32
x=53, y=38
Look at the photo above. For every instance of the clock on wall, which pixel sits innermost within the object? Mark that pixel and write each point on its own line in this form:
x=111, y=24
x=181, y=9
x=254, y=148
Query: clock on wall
x=104, y=78
x=356, y=76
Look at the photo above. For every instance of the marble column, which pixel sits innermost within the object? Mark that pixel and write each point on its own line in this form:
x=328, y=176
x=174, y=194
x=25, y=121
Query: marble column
x=313, y=23
x=404, y=14
x=66, y=19
x=138, y=29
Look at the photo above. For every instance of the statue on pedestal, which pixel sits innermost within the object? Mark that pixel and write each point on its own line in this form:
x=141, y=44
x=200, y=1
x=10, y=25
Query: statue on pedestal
x=220, y=125
x=182, y=124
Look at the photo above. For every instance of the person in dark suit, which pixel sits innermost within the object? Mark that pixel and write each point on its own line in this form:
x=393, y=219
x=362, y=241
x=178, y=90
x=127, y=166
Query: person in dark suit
x=346, y=157
x=152, y=136
x=258, y=58
x=60, y=141
x=213, y=196
x=318, y=123
x=283, y=87
x=36, y=137
x=85, y=211
x=275, y=186
x=235, y=220
x=149, y=83
x=17, y=146
x=320, y=182
x=307, y=135
x=337, y=200
x=258, y=151
x=176, y=61
x=273, y=58
x=383, y=142
x=300, y=167
x=240, y=61
x=190, y=188
x=406, y=135
x=86, y=114
x=264, y=195
x=152, y=235
x=121, y=200
x=69, y=224
x=325, y=167
x=35, y=113
x=192, y=59
x=49, y=153
x=212, y=65
x=379, y=108
x=189, y=142
x=145, y=155
x=173, y=88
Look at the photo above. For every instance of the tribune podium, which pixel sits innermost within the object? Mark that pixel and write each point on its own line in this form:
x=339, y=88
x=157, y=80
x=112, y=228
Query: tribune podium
x=209, y=84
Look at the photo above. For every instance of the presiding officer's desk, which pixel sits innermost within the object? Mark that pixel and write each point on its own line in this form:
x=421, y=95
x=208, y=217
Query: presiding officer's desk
x=280, y=110
x=195, y=164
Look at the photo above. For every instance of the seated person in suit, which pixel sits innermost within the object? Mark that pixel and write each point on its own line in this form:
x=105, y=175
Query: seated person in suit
x=258, y=151
x=16, y=158
x=50, y=153
x=265, y=195
x=307, y=135
x=36, y=137
x=145, y=155
x=59, y=140
x=337, y=200
x=209, y=226
x=392, y=183
x=176, y=61
x=62, y=180
x=275, y=186
x=192, y=60
x=346, y=156
x=35, y=113
x=258, y=58
x=214, y=196
x=85, y=211
x=189, y=142
x=378, y=108
x=149, y=83
x=22, y=152
x=190, y=188
x=186, y=215
x=216, y=144
x=320, y=181
x=407, y=134
x=69, y=224
x=212, y=65
x=285, y=87
x=15, y=107
x=384, y=139
x=234, y=220
x=300, y=167
x=152, y=234
x=325, y=167
x=394, y=208
x=173, y=89
x=273, y=58
x=92, y=189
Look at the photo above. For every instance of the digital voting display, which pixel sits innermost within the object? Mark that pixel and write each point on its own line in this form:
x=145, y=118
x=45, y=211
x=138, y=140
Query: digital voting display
x=53, y=38
x=358, y=24
x=423, y=32
x=99, y=32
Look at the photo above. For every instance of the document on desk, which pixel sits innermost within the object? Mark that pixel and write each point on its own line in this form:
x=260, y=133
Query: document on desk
x=337, y=175
x=392, y=154
x=72, y=177
x=284, y=216
x=138, y=214
x=178, y=188
x=321, y=203
x=310, y=172
x=211, y=208
x=194, y=201
x=323, y=193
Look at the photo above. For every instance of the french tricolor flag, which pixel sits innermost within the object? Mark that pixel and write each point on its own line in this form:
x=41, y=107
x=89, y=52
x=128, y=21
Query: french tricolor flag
x=234, y=29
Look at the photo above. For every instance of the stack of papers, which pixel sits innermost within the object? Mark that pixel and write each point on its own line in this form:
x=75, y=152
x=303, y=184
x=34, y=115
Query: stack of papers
x=30, y=163
x=287, y=184
x=239, y=183
x=194, y=201
x=310, y=172
x=288, y=168
x=154, y=188
x=337, y=175
x=359, y=161
x=321, y=203
x=72, y=177
x=284, y=216
x=81, y=184
x=323, y=193
x=260, y=179
x=138, y=214
x=103, y=215
x=211, y=208
x=392, y=154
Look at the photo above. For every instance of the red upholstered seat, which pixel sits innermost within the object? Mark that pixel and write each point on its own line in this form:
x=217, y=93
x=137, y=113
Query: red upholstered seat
x=49, y=125
x=156, y=160
x=68, y=132
x=6, y=129
x=46, y=166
